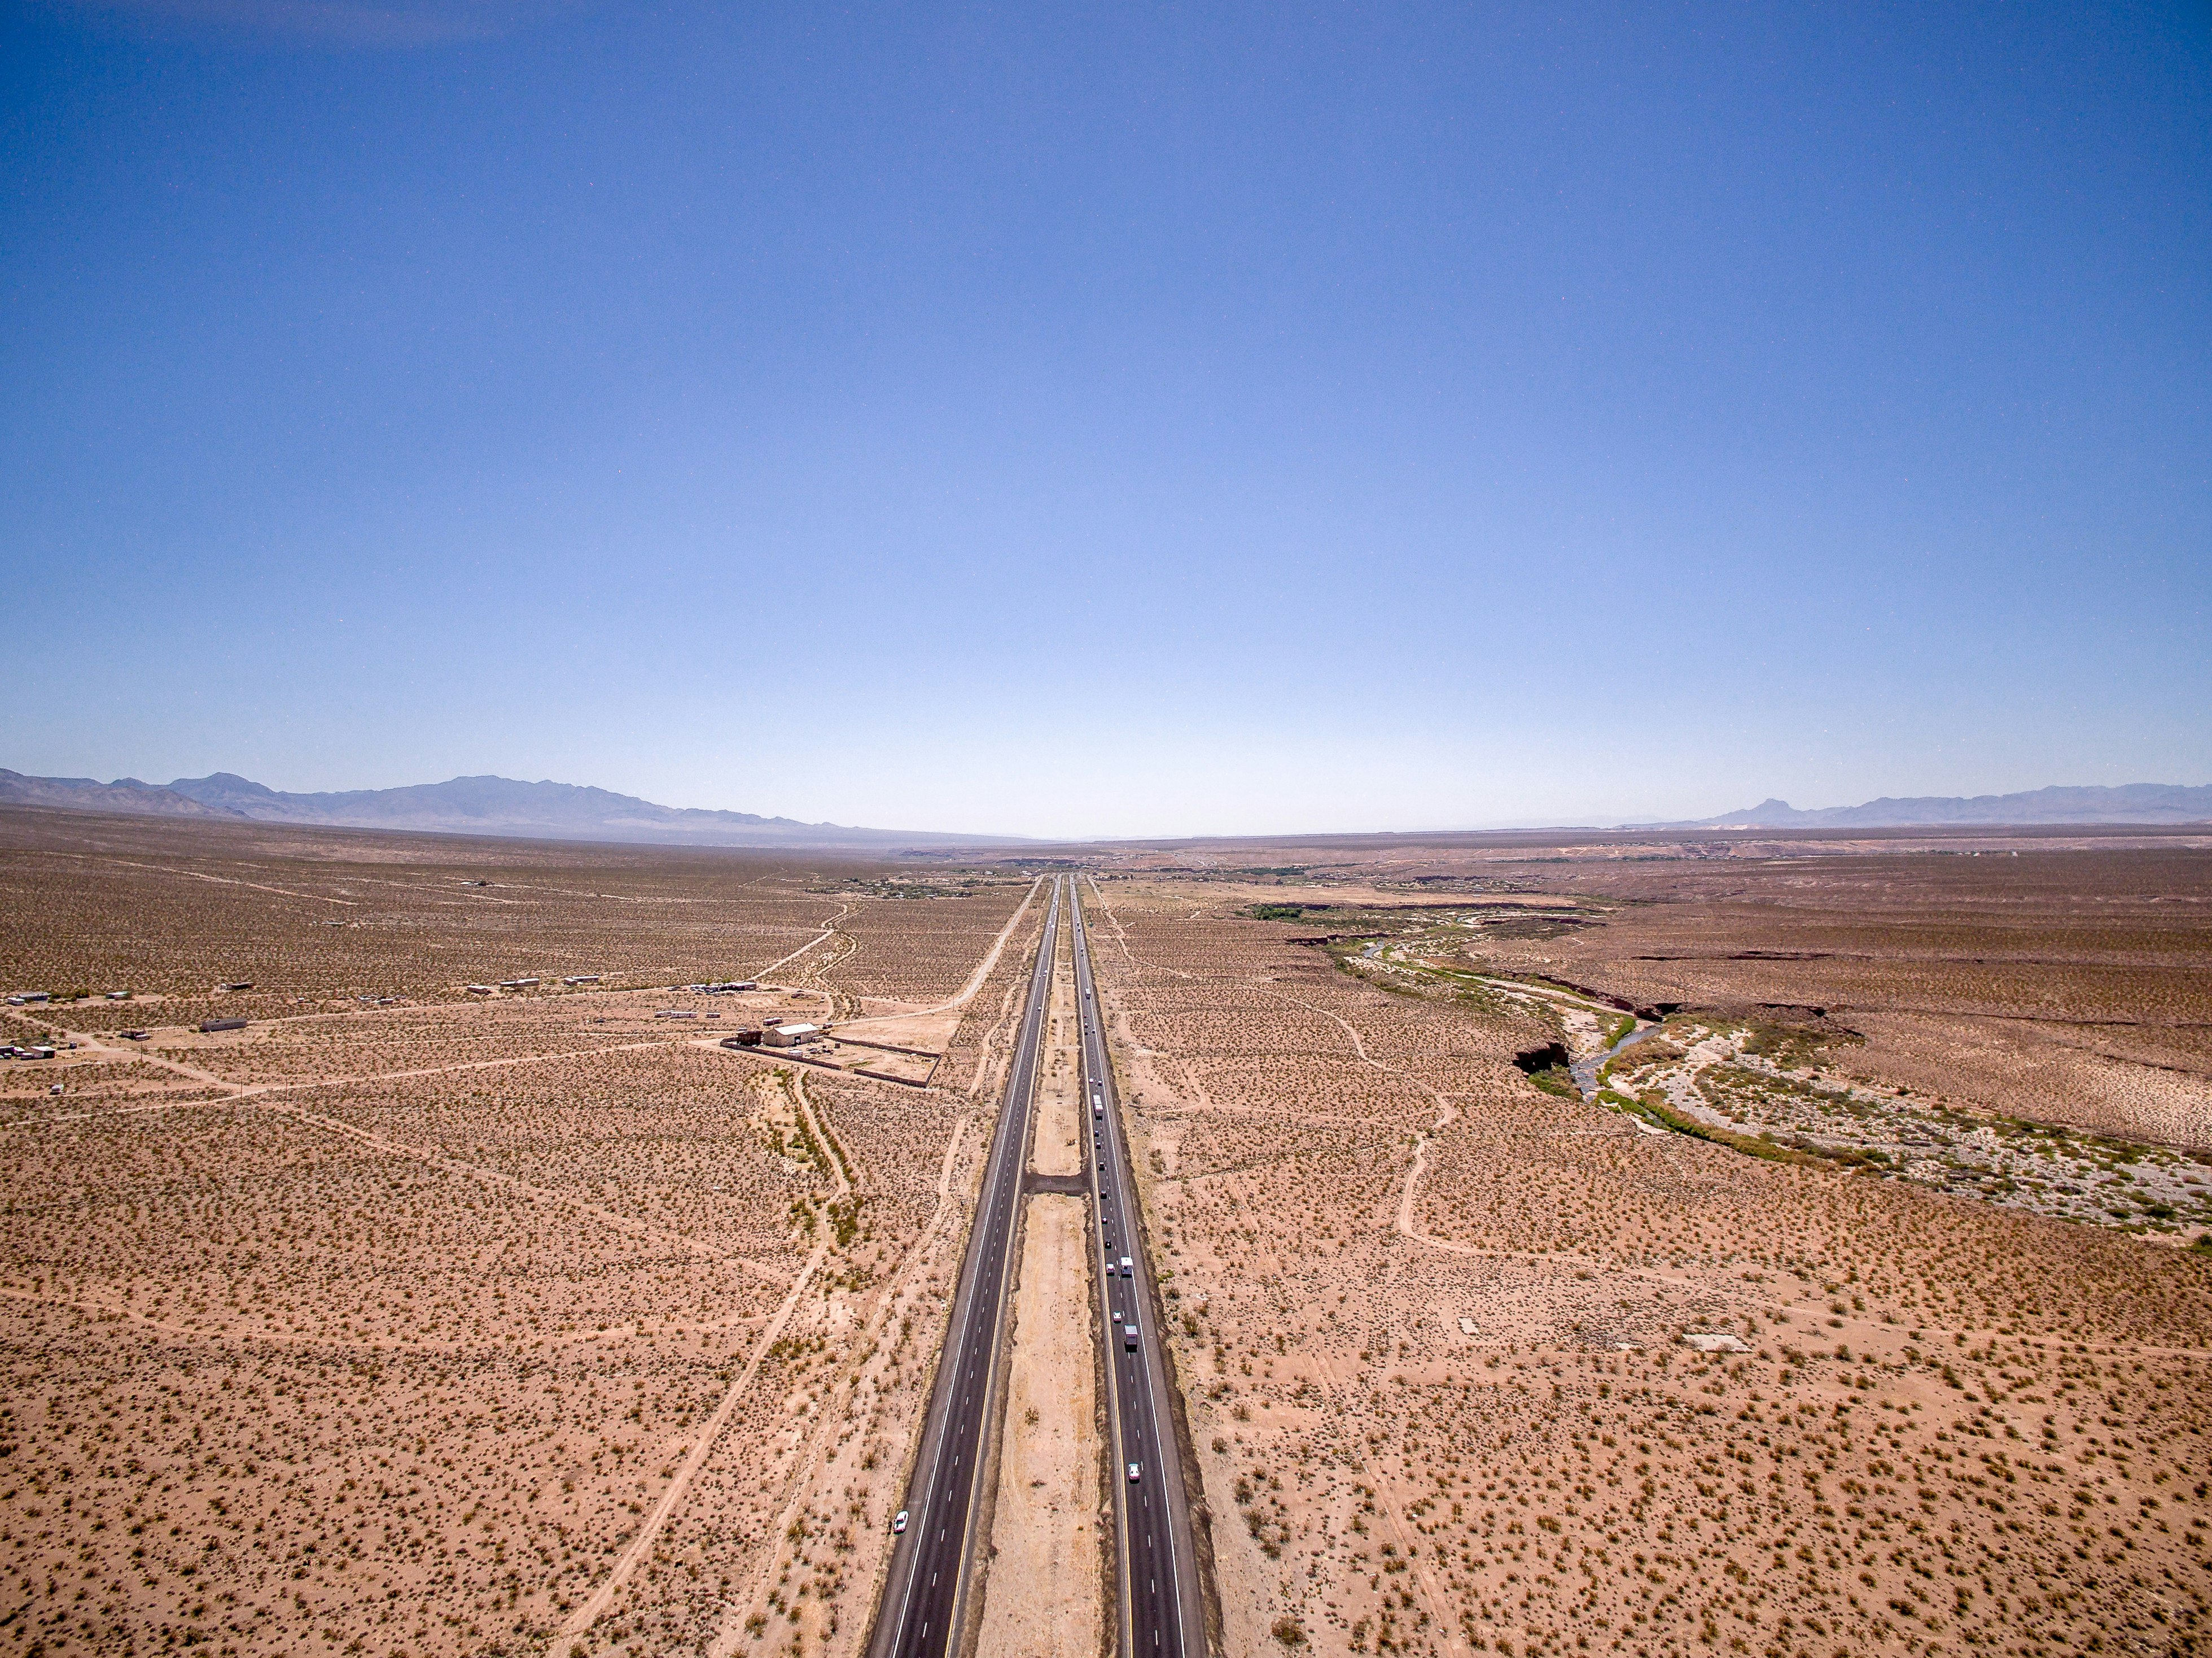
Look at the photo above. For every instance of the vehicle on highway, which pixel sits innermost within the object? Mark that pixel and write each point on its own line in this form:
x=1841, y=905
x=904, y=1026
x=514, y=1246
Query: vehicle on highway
x=898, y=1523
x=1161, y=1602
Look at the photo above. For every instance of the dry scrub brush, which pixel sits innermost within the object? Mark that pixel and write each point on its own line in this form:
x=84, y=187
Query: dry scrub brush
x=1450, y=1413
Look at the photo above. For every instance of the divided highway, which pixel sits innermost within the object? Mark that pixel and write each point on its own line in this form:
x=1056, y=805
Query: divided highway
x=926, y=1591
x=1161, y=1614
x=1159, y=1611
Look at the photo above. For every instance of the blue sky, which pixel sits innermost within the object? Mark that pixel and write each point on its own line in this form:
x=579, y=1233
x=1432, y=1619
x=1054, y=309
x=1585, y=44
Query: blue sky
x=1111, y=420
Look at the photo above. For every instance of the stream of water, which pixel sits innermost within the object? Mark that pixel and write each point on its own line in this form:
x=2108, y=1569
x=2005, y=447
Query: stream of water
x=1585, y=1070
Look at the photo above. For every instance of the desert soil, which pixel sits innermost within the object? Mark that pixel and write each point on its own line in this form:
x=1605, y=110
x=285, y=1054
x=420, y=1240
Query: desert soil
x=1056, y=1146
x=413, y=1319
x=1474, y=1367
x=1042, y=1598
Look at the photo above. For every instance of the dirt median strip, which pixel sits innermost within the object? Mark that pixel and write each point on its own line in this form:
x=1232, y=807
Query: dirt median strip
x=1043, y=1600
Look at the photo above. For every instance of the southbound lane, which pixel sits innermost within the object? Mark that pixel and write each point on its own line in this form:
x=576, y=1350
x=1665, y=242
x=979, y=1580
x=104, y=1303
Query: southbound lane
x=926, y=1590
x=1160, y=1614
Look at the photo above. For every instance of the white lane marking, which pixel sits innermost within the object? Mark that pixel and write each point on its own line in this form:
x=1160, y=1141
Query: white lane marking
x=967, y=1309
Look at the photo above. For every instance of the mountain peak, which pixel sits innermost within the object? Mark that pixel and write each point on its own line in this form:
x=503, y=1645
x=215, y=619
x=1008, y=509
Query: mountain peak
x=2128, y=802
x=221, y=783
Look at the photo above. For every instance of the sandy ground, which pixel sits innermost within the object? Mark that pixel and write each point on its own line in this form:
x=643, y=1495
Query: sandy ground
x=927, y=1032
x=814, y=1589
x=1042, y=1596
x=2048, y=1069
x=1457, y=1401
x=1057, y=1145
x=408, y=1320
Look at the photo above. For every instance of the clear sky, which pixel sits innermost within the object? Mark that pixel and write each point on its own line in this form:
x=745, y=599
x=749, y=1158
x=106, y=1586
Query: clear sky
x=1110, y=419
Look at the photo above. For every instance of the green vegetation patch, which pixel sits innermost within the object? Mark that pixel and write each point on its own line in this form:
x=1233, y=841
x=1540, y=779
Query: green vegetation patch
x=1432, y=979
x=1653, y=1104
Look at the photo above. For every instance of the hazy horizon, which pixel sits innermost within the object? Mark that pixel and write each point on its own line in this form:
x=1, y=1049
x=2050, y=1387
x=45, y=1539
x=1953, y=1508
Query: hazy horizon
x=988, y=831
x=1108, y=424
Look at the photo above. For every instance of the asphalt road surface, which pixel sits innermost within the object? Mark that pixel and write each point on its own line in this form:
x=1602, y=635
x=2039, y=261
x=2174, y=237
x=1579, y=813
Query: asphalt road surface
x=1160, y=1614
x=926, y=1592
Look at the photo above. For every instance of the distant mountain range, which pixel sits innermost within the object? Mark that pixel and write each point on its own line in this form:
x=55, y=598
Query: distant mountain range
x=2129, y=803
x=567, y=812
x=464, y=806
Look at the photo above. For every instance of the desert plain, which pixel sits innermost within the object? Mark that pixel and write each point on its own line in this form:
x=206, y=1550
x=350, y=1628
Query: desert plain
x=1858, y=1304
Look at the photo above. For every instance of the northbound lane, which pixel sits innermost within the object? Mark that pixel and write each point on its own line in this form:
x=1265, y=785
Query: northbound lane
x=926, y=1591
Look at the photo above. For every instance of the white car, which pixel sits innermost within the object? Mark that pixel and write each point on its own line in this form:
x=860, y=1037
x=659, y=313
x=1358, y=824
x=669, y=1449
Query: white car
x=1136, y=1470
x=898, y=1523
